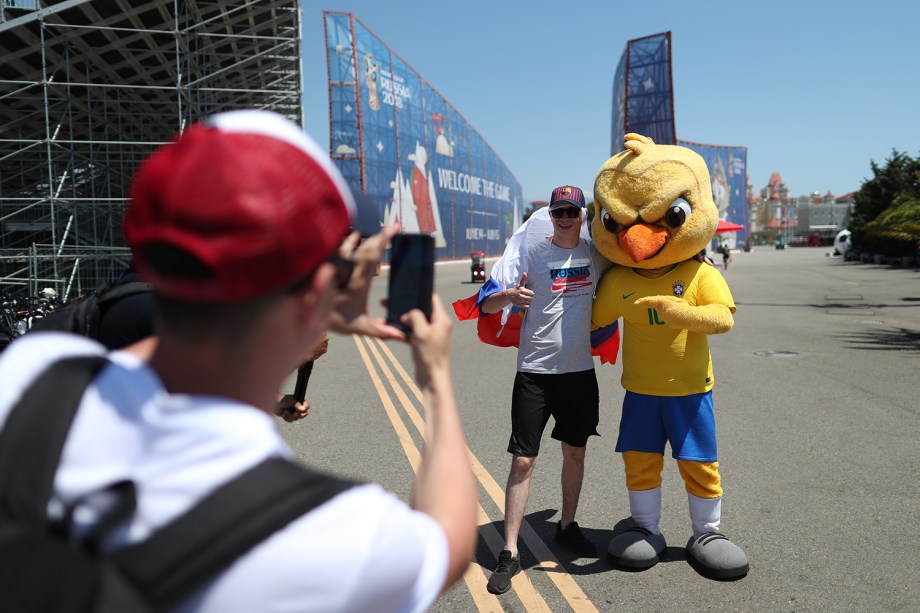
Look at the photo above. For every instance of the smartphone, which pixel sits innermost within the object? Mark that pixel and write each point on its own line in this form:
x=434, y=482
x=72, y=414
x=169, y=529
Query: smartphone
x=411, y=277
x=303, y=376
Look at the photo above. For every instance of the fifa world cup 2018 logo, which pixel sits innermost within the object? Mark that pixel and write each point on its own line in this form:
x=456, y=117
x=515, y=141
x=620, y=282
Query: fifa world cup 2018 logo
x=370, y=71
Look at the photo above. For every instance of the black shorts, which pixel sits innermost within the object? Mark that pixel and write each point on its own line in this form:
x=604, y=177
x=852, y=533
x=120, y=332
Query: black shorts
x=571, y=398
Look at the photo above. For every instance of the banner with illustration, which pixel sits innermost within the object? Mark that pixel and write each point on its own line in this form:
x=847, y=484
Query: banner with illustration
x=416, y=158
x=728, y=173
x=643, y=96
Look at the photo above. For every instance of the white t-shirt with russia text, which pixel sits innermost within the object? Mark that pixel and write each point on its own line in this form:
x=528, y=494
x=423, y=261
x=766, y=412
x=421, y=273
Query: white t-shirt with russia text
x=364, y=550
x=555, y=333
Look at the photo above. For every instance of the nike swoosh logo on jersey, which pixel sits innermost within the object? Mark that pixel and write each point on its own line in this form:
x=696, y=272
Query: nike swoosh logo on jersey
x=625, y=296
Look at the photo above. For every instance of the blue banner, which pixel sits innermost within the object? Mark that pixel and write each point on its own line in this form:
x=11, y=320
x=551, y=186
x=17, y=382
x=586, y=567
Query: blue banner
x=728, y=173
x=418, y=160
x=643, y=95
x=619, y=107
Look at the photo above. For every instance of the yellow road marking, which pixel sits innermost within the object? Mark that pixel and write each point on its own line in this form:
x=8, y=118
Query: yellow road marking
x=414, y=415
x=474, y=576
x=557, y=573
x=405, y=439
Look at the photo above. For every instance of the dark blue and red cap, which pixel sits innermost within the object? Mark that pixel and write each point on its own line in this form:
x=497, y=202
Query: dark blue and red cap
x=566, y=195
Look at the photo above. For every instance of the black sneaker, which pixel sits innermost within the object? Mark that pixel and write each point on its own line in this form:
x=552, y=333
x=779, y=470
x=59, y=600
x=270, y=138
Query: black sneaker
x=572, y=538
x=508, y=566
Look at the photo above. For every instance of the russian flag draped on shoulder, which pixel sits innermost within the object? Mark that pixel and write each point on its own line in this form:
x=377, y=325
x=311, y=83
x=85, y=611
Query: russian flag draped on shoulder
x=503, y=329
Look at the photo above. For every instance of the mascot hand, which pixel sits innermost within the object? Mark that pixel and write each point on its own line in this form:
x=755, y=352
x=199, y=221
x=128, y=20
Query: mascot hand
x=678, y=315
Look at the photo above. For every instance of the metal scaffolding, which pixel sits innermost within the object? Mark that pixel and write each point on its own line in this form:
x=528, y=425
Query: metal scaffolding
x=88, y=88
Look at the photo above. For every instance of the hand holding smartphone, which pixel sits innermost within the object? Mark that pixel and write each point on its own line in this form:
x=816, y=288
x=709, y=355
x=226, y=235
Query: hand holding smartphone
x=411, y=281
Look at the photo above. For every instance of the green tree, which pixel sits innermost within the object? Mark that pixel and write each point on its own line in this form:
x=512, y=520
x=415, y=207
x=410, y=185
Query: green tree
x=900, y=221
x=884, y=205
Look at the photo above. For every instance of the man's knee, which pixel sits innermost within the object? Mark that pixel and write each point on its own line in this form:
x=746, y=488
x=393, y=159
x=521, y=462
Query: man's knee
x=522, y=466
x=573, y=455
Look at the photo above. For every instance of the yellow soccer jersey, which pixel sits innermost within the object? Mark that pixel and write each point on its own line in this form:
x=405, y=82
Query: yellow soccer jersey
x=657, y=360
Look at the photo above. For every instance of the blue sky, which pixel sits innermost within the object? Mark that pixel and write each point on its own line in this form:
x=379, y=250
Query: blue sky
x=814, y=89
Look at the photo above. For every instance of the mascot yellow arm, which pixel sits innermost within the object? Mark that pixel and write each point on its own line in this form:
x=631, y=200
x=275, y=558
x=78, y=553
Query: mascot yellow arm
x=702, y=319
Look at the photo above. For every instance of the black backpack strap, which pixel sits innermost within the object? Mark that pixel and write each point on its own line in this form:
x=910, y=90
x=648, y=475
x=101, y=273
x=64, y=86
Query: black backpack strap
x=33, y=438
x=192, y=550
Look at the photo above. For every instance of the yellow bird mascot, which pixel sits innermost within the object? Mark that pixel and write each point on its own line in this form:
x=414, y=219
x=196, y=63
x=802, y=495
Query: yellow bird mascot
x=654, y=214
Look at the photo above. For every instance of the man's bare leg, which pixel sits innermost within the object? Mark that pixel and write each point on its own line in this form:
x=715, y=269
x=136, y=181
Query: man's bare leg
x=516, y=493
x=573, y=472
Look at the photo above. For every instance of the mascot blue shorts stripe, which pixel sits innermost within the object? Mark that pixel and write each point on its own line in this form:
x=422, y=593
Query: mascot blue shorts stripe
x=687, y=422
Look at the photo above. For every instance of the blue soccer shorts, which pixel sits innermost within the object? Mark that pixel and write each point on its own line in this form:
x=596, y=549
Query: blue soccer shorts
x=688, y=423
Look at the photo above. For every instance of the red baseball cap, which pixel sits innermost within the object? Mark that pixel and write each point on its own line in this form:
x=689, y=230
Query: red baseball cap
x=566, y=195
x=246, y=193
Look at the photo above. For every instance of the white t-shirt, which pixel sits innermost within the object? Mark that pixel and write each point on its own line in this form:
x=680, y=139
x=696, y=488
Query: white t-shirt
x=364, y=550
x=556, y=331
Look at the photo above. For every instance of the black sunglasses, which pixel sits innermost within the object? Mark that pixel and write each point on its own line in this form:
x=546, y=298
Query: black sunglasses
x=569, y=211
x=344, y=267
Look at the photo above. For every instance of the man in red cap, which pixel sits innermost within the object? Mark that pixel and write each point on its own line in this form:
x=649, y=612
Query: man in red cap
x=239, y=226
x=555, y=371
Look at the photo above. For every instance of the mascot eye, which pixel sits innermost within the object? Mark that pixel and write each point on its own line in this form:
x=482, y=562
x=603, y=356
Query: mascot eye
x=609, y=223
x=678, y=213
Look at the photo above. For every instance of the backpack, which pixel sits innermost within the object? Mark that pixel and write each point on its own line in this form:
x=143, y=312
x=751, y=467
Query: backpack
x=83, y=315
x=44, y=568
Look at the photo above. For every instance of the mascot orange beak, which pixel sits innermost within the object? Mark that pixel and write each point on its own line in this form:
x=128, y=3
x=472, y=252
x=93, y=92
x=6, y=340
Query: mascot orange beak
x=641, y=241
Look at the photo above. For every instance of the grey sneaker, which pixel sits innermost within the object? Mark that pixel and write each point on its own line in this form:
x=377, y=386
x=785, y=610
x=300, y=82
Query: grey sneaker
x=717, y=557
x=508, y=566
x=636, y=549
x=573, y=538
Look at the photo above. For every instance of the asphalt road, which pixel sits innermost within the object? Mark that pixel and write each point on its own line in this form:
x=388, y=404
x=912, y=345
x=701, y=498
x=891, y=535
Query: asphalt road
x=818, y=416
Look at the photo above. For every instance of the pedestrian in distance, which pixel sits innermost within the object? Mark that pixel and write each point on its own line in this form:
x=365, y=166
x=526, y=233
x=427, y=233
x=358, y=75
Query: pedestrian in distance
x=238, y=226
x=726, y=257
x=555, y=372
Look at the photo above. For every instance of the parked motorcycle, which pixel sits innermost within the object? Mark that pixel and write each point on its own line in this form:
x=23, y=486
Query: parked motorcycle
x=17, y=315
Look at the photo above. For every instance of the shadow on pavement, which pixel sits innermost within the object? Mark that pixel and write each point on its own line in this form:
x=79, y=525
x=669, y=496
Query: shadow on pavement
x=544, y=524
x=893, y=339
